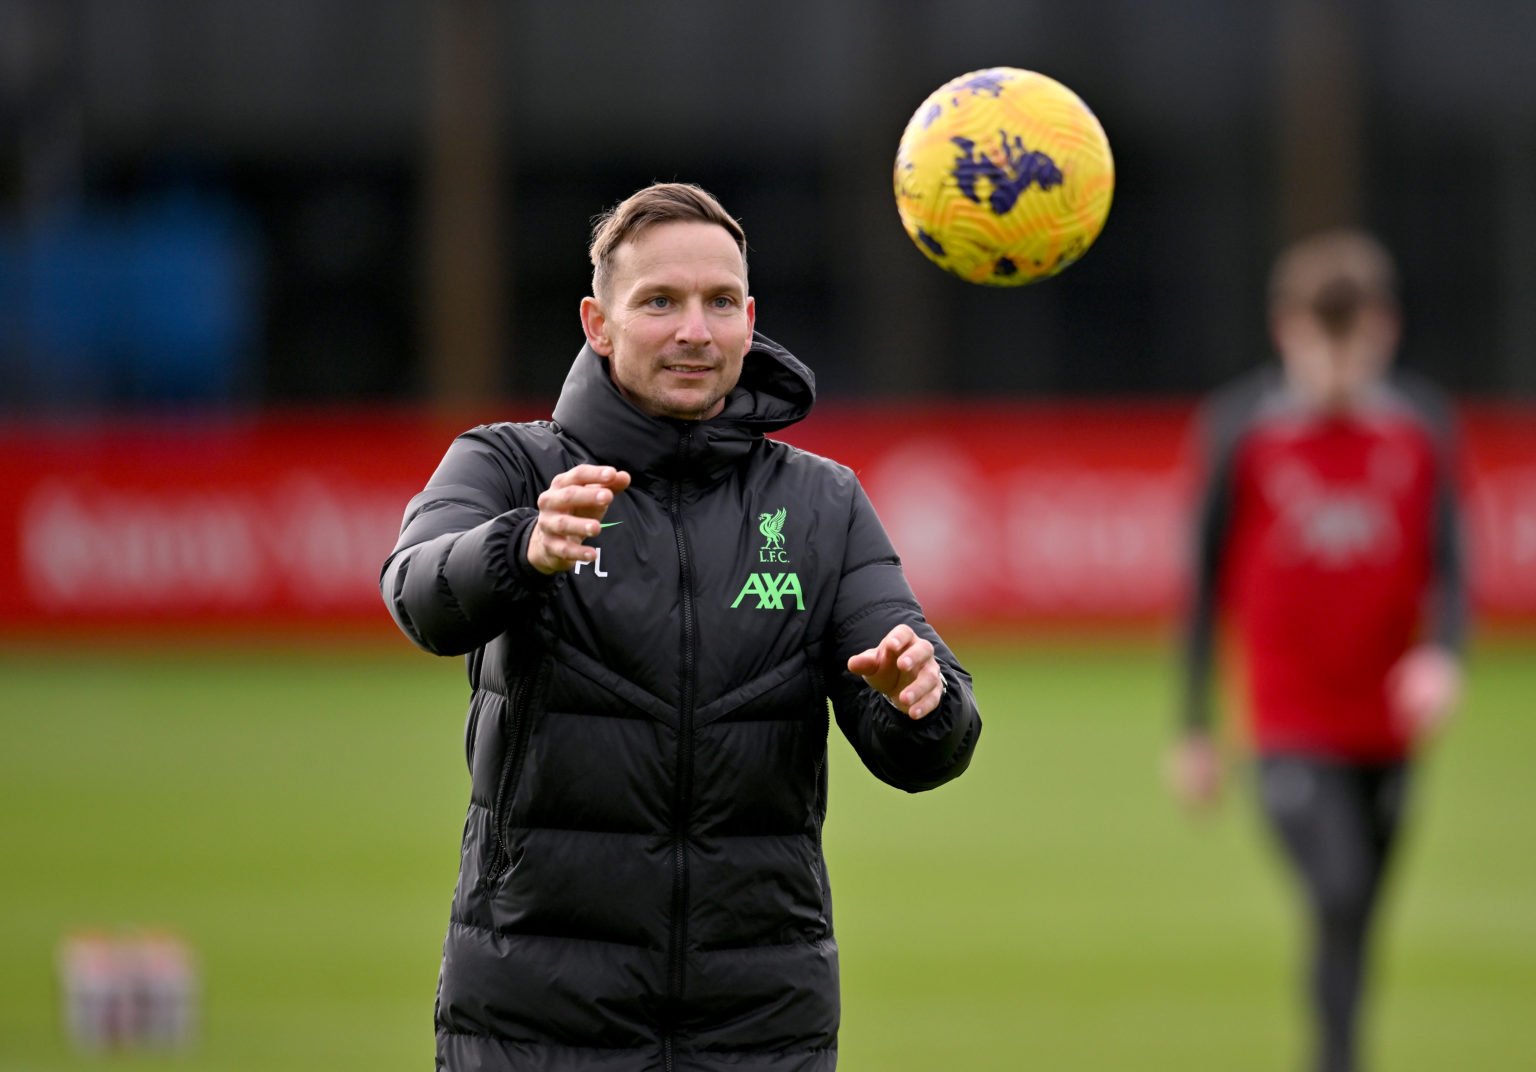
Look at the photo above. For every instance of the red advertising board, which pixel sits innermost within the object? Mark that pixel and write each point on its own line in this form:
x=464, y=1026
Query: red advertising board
x=1016, y=514
x=1008, y=514
x=267, y=521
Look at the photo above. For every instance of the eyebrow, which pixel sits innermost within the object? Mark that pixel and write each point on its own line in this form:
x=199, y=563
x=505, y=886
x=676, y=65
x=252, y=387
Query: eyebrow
x=734, y=286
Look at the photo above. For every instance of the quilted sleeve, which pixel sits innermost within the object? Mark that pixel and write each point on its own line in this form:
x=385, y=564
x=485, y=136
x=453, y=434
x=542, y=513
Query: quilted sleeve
x=459, y=575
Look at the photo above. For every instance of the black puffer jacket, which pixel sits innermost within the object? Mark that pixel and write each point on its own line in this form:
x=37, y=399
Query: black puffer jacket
x=642, y=884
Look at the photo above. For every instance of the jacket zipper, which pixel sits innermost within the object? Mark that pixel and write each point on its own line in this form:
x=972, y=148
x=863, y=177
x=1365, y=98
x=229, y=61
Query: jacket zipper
x=818, y=685
x=818, y=682
x=528, y=686
x=683, y=790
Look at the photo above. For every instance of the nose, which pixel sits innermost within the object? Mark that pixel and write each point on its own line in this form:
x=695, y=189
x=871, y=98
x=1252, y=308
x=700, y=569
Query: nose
x=693, y=325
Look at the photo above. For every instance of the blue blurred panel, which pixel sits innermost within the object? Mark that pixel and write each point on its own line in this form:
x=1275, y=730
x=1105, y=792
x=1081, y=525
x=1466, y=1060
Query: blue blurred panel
x=158, y=302
x=64, y=278
x=190, y=297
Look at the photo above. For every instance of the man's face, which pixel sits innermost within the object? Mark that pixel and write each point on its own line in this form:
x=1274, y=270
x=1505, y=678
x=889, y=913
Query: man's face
x=676, y=320
x=1334, y=369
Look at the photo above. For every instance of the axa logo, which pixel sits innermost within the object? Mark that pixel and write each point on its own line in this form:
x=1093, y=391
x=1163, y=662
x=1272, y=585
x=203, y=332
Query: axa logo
x=776, y=590
x=771, y=590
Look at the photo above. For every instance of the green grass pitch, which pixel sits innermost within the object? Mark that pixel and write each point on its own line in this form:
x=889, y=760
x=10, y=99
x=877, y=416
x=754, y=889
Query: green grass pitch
x=296, y=814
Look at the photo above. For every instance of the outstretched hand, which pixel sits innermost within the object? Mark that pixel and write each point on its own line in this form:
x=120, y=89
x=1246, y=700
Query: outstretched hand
x=571, y=510
x=902, y=668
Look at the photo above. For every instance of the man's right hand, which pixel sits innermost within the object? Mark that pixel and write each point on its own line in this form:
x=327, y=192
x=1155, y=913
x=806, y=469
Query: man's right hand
x=571, y=510
x=1194, y=771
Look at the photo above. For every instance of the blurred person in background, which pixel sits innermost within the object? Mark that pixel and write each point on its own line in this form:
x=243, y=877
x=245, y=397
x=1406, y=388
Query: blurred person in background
x=1327, y=525
x=657, y=602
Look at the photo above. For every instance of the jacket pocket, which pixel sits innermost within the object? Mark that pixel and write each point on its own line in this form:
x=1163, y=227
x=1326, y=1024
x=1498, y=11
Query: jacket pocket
x=522, y=711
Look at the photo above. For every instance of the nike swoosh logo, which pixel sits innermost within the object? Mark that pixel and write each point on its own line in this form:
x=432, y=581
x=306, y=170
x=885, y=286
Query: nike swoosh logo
x=608, y=524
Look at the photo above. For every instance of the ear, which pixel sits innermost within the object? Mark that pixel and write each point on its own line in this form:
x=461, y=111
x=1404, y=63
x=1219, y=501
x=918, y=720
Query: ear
x=1390, y=327
x=751, y=320
x=594, y=323
x=1282, y=329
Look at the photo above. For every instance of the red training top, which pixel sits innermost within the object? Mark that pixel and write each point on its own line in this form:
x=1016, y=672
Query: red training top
x=1331, y=538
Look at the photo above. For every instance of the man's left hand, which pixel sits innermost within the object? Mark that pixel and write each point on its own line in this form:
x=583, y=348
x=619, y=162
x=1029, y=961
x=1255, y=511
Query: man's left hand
x=902, y=668
x=1424, y=687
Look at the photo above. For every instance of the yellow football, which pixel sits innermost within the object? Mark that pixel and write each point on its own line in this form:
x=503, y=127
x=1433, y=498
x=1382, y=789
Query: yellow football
x=1003, y=177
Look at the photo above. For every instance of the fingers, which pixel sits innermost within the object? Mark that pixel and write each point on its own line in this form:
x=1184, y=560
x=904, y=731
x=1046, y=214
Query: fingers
x=571, y=511
x=865, y=663
x=880, y=659
x=586, y=490
x=908, y=649
x=888, y=652
x=923, y=696
x=918, y=671
x=606, y=475
x=556, y=541
x=902, y=667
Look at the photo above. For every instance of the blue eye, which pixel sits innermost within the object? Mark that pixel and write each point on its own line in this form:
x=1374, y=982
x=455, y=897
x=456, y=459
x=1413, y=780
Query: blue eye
x=660, y=301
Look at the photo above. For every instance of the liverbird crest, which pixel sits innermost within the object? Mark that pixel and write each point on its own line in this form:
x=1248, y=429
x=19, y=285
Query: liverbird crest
x=772, y=528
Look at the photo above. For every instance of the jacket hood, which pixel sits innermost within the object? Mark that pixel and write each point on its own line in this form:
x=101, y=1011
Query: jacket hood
x=775, y=390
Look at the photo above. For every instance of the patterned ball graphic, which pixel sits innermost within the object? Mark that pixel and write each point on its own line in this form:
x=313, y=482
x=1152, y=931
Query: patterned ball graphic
x=1003, y=177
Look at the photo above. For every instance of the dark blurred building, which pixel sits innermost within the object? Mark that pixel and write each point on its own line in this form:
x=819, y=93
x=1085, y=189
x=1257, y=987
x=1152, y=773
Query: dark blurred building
x=372, y=200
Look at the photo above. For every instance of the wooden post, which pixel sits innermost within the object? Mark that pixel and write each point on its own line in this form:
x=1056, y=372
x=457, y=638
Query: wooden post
x=465, y=283
x=1318, y=118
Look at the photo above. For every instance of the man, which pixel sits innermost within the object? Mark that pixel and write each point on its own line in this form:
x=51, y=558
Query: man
x=657, y=603
x=1327, y=525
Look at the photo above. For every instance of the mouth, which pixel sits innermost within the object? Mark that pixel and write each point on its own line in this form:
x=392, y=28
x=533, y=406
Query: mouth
x=681, y=368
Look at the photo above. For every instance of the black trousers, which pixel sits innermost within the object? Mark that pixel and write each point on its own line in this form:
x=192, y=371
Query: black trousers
x=1337, y=823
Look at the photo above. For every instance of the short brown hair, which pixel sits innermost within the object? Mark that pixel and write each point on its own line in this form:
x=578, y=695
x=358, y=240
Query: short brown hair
x=661, y=202
x=1331, y=274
